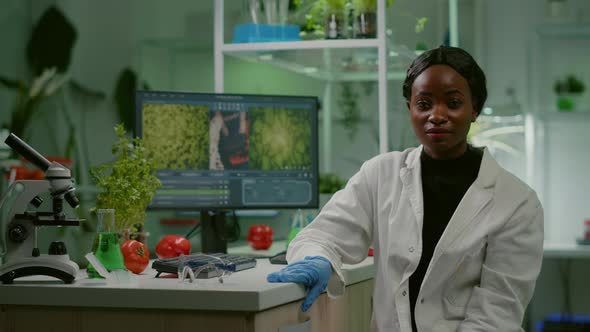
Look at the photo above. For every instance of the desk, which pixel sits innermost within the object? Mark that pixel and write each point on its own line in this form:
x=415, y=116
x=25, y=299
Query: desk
x=566, y=250
x=244, y=302
x=558, y=289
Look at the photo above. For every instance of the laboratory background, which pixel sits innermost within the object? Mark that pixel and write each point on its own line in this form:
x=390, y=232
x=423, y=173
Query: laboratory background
x=70, y=72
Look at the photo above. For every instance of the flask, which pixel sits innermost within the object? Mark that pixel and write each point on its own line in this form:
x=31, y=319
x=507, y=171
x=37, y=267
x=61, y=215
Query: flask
x=298, y=222
x=106, y=246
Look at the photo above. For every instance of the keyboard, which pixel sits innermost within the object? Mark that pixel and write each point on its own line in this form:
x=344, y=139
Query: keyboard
x=232, y=263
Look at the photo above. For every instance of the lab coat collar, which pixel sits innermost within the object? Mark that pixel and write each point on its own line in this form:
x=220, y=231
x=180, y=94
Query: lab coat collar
x=488, y=171
x=412, y=183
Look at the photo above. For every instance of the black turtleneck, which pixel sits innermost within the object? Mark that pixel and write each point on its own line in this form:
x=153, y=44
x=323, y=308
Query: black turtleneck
x=444, y=183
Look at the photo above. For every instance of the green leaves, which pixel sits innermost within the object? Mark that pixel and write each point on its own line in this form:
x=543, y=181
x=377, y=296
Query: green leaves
x=570, y=84
x=52, y=41
x=420, y=24
x=128, y=183
x=351, y=113
x=330, y=183
x=184, y=147
x=12, y=83
x=279, y=139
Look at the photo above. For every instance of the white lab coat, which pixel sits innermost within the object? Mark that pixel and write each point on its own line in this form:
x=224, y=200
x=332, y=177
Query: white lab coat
x=484, y=267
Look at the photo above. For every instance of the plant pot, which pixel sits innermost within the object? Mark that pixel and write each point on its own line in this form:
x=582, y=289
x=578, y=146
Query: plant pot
x=568, y=102
x=367, y=25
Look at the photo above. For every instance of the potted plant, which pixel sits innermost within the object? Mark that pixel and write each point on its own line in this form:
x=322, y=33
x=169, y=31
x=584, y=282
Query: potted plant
x=309, y=16
x=329, y=183
x=569, y=92
x=366, y=17
x=48, y=55
x=127, y=184
x=320, y=19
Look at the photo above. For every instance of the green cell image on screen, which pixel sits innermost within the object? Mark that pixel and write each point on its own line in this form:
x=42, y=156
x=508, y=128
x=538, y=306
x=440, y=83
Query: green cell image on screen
x=280, y=139
x=176, y=136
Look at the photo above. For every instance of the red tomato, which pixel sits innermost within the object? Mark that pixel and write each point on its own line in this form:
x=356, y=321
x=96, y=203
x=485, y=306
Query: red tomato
x=172, y=246
x=260, y=237
x=136, y=256
x=21, y=173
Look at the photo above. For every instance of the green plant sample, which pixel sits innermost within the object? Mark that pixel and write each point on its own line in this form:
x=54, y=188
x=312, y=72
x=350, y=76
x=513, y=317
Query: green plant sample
x=127, y=184
x=363, y=6
x=565, y=104
x=367, y=6
x=279, y=139
x=335, y=5
x=570, y=84
x=185, y=147
x=351, y=113
x=330, y=183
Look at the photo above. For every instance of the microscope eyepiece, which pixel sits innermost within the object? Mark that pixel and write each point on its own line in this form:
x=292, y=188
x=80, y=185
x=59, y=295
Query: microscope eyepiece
x=71, y=198
x=27, y=152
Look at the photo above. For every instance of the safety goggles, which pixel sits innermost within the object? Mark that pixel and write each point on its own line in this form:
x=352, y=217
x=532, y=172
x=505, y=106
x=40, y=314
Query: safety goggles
x=189, y=270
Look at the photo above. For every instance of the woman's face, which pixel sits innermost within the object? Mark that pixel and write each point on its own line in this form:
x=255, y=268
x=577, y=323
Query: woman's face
x=441, y=110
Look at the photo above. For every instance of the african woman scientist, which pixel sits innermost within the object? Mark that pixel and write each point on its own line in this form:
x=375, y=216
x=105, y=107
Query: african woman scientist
x=458, y=240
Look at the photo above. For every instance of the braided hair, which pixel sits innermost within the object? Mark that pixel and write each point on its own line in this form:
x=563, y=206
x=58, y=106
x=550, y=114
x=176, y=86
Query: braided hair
x=456, y=58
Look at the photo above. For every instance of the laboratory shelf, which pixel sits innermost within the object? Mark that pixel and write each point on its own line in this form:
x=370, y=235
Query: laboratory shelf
x=564, y=31
x=378, y=59
x=331, y=64
x=573, y=116
x=300, y=45
x=173, y=44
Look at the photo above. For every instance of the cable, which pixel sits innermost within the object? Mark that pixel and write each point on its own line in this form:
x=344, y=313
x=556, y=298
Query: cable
x=231, y=231
x=234, y=231
x=193, y=231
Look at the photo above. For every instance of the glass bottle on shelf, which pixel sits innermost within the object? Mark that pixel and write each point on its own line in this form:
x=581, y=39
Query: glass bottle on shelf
x=334, y=20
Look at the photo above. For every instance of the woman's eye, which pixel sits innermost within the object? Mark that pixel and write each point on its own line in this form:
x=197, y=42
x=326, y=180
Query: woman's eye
x=422, y=105
x=455, y=104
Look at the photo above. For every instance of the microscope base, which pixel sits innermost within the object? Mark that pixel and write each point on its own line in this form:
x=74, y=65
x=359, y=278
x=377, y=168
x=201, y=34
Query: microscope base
x=57, y=266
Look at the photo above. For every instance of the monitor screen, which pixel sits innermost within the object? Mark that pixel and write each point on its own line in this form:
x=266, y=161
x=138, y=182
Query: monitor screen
x=230, y=151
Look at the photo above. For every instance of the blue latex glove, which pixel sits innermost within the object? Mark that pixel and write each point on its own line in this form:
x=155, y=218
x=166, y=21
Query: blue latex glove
x=313, y=272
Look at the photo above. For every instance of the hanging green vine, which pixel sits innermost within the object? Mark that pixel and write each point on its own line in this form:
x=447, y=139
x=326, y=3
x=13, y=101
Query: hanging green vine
x=351, y=114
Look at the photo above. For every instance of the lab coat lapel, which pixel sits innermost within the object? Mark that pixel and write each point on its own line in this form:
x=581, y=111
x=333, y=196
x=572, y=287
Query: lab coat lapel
x=412, y=181
x=476, y=198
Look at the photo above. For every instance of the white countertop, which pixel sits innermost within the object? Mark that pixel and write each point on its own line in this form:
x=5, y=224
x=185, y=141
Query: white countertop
x=566, y=250
x=246, y=290
x=243, y=291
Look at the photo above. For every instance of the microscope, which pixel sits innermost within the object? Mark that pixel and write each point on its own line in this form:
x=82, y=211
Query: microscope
x=19, y=228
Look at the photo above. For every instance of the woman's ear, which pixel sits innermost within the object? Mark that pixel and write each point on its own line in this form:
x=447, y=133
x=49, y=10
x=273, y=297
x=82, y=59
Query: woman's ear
x=474, y=115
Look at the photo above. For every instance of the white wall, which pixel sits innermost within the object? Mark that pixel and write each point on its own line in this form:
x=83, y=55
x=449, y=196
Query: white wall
x=562, y=180
x=109, y=39
x=14, y=27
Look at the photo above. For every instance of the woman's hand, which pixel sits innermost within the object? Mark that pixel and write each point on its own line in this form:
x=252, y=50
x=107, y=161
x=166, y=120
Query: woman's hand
x=313, y=272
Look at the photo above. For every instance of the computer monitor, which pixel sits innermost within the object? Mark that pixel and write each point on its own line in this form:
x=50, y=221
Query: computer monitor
x=220, y=152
